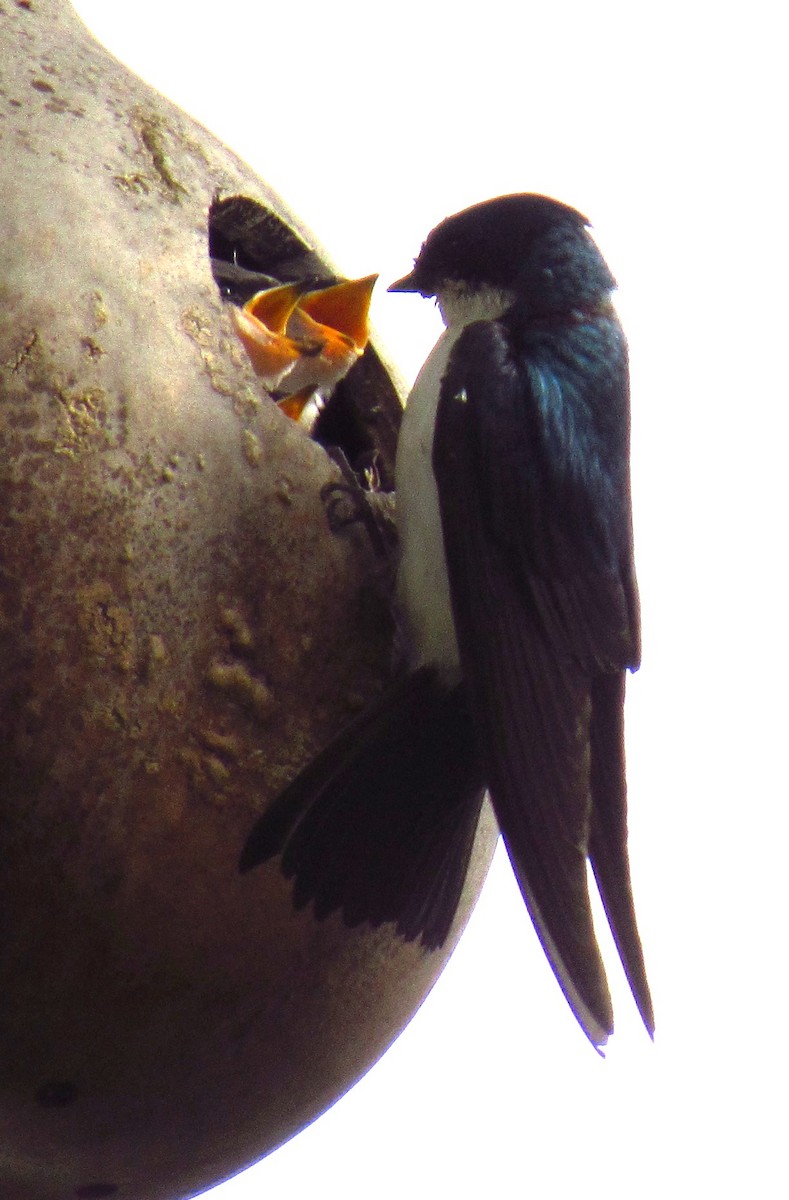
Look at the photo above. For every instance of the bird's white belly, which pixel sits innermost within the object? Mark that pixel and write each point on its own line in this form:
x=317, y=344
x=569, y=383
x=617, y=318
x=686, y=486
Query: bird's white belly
x=422, y=583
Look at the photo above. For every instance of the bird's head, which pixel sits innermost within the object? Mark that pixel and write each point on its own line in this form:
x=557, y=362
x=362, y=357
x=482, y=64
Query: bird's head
x=521, y=247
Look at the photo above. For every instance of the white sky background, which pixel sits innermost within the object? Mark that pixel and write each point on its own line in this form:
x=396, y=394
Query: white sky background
x=666, y=124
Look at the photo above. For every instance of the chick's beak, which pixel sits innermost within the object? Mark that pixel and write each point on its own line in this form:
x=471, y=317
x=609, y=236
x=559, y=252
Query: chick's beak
x=274, y=305
x=272, y=354
x=344, y=307
x=294, y=406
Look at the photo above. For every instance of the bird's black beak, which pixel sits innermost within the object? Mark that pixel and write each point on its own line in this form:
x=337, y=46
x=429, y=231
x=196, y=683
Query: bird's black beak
x=409, y=283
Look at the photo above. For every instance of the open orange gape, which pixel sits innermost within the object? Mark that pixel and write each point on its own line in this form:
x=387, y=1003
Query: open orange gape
x=304, y=342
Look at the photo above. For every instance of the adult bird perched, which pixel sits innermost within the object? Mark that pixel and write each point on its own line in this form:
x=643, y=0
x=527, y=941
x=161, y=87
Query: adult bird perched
x=518, y=601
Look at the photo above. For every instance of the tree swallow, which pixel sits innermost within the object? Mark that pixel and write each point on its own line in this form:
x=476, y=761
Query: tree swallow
x=518, y=601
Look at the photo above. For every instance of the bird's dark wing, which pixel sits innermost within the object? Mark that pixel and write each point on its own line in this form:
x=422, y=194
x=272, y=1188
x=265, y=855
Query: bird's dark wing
x=381, y=824
x=532, y=474
x=608, y=832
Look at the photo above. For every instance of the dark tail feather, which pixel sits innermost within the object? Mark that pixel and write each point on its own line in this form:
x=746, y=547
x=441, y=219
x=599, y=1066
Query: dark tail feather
x=530, y=718
x=608, y=834
x=381, y=824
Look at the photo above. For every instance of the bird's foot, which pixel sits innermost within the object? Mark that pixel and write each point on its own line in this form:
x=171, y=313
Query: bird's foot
x=349, y=503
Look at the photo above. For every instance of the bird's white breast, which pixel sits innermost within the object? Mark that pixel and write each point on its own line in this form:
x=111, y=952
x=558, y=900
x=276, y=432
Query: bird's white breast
x=422, y=583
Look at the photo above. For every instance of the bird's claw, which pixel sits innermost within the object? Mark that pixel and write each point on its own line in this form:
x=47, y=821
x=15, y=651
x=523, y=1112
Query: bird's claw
x=348, y=503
